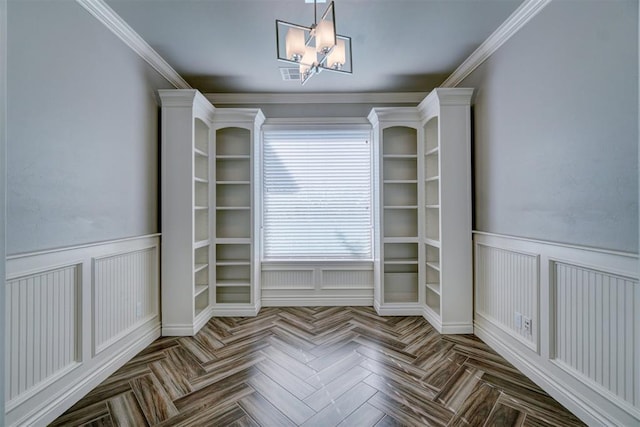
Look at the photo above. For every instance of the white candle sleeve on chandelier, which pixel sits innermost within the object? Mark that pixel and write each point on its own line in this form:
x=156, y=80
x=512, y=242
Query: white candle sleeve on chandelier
x=337, y=57
x=325, y=36
x=295, y=44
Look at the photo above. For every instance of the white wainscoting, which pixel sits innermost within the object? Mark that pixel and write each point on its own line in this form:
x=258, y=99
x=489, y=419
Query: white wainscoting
x=74, y=316
x=584, y=303
x=317, y=283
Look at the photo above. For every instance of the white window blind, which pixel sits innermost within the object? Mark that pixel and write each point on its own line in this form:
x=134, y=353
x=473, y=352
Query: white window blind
x=317, y=195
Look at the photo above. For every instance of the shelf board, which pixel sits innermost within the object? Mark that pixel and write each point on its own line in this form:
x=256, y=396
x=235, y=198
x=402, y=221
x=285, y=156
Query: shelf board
x=232, y=182
x=233, y=208
x=401, y=261
x=432, y=151
x=202, y=180
x=233, y=262
x=199, y=267
x=400, y=156
x=433, y=311
x=229, y=240
x=401, y=297
x=200, y=152
x=233, y=156
x=400, y=181
x=433, y=178
x=400, y=240
x=200, y=243
x=201, y=208
x=402, y=207
x=238, y=283
x=432, y=206
x=434, y=287
x=200, y=289
x=434, y=265
x=432, y=242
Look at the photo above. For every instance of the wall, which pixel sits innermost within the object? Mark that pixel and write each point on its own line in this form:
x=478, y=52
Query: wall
x=556, y=135
x=82, y=178
x=3, y=187
x=82, y=131
x=556, y=160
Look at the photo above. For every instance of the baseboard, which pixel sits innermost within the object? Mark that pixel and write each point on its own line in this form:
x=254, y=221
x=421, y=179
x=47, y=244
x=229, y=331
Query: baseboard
x=313, y=302
x=235, y=310
x=399, y=309
x=563, y=394
x=567, y=317
x=108, y=292
x=58, y=404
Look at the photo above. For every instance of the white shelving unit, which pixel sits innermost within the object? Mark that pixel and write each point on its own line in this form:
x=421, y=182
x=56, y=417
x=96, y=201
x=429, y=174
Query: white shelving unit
x=186, y=171
x=397, y=134
x=447, y=244
x=423, y=257
x=235, y=277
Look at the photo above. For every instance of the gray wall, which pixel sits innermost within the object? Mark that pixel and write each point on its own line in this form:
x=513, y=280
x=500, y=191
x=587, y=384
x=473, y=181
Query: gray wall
x=82, y=131
x=556, y=128
x=3, y=188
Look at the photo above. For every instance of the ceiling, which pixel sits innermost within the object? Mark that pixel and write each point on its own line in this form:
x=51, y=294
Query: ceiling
x=228, y=46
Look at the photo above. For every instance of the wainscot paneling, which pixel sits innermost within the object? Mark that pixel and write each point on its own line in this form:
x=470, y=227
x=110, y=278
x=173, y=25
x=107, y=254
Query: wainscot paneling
x=74, y=316
x=508, y=291
x=594, y=327
x=317, y=283
x=43, y=339
x=584, y=303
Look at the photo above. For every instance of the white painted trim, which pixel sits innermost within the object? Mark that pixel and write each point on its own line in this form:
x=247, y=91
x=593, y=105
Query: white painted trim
x=82, y=246
x=219, y=99
x=559, y=391
x=46, y=400
x=297, y=301
x=56, y=405
x=235, y=310
x=391, y=309
x=527, y=10
x=558, y=244
x=592, y=401
x=103, y=13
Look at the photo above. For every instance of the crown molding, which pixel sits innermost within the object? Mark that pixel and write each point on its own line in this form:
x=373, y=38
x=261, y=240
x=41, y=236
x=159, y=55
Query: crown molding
x=110, y=19
x=527, y=10
x=219, y=99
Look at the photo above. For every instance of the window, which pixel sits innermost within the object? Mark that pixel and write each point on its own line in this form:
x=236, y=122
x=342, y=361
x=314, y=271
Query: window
x=316, y=191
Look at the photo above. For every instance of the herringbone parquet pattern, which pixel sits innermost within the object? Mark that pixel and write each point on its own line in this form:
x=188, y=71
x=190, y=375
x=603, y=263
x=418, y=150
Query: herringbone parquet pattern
x=322, y=367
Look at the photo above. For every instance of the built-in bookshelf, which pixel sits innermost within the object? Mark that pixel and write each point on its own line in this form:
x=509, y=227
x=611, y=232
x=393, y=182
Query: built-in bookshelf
x=187, y=117
x=399, y=174
x=235, y=278
x=446, y=237
x=424, y=237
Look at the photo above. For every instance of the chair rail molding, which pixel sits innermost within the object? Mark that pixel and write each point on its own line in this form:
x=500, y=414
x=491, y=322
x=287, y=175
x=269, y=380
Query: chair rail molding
x=75, y=315
x=583, y=306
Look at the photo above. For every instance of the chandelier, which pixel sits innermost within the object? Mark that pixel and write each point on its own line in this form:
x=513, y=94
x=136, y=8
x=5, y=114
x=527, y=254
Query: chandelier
x=315, y=48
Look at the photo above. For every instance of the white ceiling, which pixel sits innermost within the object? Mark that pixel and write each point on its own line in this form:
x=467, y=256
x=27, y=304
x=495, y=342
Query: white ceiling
x=398, y=45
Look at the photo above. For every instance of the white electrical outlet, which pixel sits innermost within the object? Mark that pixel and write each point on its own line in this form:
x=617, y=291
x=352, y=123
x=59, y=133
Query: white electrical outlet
x=517, y=319
x=527, y=325
x=138, y=309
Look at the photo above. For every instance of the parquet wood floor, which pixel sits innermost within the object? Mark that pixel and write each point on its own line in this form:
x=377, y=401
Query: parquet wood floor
x=318, y=367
